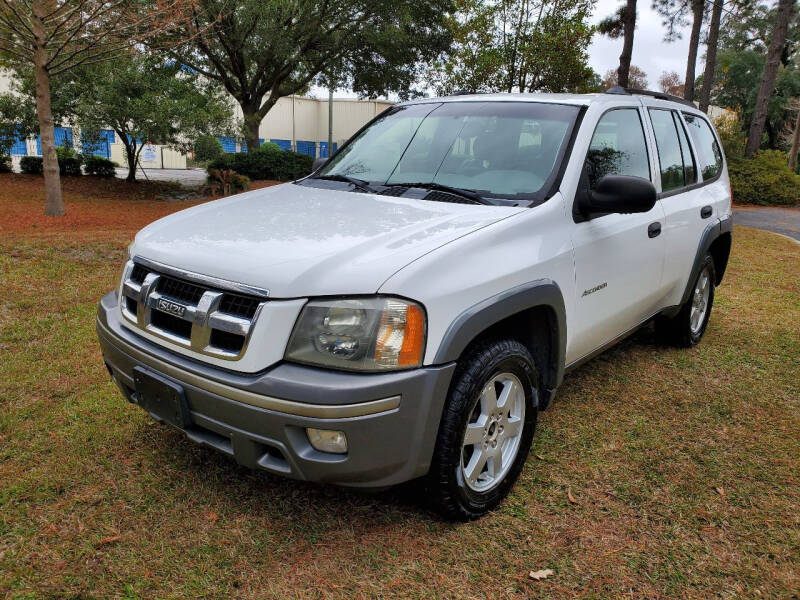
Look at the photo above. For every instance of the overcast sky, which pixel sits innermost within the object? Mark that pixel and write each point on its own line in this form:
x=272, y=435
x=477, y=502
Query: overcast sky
x=650, y=52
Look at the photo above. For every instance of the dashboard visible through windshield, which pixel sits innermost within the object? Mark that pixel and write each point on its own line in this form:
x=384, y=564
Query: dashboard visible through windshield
x=485, y=150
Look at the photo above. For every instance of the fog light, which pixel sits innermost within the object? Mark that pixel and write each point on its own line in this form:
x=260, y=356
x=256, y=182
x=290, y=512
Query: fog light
x=327, y=440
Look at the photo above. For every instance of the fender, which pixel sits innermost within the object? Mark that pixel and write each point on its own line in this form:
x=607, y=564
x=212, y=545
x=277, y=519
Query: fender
x=712, y=232
x=479, y=317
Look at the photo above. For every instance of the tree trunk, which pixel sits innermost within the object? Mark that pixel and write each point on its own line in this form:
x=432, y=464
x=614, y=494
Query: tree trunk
x=130, y=156
x=698, y=7
x=768, y=78
x=629, y=24
x=54, y=203
x=711, y=55
x=252, y=122
x=795, y=143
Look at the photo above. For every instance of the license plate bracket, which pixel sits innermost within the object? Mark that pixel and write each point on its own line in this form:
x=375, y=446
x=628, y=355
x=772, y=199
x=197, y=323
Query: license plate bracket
x=161, y=398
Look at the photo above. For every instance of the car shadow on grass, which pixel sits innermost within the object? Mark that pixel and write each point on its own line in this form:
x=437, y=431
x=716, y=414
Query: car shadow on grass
x=199, y=474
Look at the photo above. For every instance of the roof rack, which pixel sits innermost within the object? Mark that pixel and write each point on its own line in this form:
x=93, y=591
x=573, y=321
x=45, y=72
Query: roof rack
x=618, y=89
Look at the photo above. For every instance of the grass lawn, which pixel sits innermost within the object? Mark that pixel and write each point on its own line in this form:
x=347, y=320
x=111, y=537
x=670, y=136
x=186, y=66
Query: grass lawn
x=683, y=465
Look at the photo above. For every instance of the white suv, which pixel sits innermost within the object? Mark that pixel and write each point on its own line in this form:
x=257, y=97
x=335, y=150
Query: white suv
x=407, y=309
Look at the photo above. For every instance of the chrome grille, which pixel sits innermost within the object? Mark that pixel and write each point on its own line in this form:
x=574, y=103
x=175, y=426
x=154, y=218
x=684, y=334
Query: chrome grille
x=206, y=319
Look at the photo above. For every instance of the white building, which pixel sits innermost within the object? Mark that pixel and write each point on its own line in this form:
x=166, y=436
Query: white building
x=295, y=122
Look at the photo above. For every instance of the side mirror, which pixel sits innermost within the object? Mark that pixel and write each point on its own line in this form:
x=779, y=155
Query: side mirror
x=619, y=194
x=319, y=163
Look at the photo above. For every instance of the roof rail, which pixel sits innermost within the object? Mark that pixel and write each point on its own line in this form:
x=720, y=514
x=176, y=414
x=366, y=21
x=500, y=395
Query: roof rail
x=617, y=89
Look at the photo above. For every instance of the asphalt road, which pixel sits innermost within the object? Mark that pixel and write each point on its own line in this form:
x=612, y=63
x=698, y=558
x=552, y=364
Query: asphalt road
x=785, y=221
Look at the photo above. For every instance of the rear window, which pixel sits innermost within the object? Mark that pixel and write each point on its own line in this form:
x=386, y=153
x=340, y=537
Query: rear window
x=669, y=149
x=674, y=153
x=709, y=155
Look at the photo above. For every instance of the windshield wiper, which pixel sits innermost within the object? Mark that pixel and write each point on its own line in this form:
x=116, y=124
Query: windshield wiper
x=358, y=183
x=430, y=185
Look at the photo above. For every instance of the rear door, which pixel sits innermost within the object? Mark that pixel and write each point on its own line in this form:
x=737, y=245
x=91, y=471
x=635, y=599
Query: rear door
x=689, y=203
x=618, y=258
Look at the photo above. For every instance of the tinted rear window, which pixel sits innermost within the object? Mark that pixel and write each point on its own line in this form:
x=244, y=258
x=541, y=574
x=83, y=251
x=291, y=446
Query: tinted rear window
x=708, y=151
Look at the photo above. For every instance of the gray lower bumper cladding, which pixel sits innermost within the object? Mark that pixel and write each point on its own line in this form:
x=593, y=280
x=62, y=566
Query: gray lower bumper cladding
x=390, y=419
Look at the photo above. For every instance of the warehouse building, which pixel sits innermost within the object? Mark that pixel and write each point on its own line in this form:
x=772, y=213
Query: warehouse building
x=295, y=122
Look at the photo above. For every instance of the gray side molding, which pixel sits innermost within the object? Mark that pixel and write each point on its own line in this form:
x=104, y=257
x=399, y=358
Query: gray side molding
x=476, y=319
x=711, y=233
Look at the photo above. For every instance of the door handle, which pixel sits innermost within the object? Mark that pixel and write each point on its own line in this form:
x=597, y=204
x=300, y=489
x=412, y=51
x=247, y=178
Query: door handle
x=705, y=212
x=654, y=229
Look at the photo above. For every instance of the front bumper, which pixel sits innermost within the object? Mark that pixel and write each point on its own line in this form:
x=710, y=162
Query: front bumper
x=390, y=419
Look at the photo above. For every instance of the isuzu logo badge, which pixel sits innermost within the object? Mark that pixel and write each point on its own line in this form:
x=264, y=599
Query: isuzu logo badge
x=171, y=307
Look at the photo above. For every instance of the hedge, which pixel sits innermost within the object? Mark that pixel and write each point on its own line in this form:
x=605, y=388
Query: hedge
x=70, y=166
x=99, y=166
x=32, y=165
x=5, y=164
x=267, y=162
x=764, y=179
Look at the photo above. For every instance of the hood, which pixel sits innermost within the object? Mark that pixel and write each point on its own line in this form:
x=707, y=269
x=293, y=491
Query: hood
x=300, y=241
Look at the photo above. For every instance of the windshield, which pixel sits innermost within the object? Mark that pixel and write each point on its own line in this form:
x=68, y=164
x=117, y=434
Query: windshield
x=499, y=149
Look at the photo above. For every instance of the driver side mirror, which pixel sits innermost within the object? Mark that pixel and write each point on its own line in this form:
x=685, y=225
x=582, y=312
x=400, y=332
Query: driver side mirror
x=619, y=194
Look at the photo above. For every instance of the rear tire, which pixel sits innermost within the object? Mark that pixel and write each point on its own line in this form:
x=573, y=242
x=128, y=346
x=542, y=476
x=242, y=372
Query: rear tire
x=687, y=327
x=486, y=430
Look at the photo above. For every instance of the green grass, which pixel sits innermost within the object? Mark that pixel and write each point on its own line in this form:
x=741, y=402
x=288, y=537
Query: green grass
x=683, y=463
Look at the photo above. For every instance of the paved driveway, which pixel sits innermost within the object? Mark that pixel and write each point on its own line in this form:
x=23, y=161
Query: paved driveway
x=785, y=221
x=187, y=177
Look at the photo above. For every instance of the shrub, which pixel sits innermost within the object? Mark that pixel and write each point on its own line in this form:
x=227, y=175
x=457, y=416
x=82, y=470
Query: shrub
x=267, y=162
x=70, y=166
x=98, y=166
x=731, y=134
x=206, y=148
x=32, y=165
x=764, y=179
x=227, y=181
x=65, y=151
x=5, y=164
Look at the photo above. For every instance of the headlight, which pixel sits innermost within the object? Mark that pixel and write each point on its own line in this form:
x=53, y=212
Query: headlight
x=359, y=334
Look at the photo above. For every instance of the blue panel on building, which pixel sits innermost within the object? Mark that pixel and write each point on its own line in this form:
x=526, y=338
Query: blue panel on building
x=64, y=134
x=19, y=148
x=323, y=149
x=99, y=147
x=283, y=144
x=309, y=148
x=228, y=144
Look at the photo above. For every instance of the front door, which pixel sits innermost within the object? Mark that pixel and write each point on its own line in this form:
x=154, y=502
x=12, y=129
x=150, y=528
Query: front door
x=619, y=258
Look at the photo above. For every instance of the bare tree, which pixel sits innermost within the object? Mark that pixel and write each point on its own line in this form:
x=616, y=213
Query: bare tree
x=636, y=78
x=776, y=47
x=622, y=24
x=711, y=55
x=670, y=83
x=54, y=36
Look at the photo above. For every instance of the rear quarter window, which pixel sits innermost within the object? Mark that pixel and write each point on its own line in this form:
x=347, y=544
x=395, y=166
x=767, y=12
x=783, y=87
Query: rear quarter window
x=709, y=155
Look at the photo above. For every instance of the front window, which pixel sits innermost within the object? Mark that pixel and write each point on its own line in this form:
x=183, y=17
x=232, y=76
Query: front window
x=509, y=150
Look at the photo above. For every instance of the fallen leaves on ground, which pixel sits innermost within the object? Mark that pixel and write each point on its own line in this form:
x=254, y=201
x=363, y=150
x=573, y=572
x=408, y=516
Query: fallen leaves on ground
x=539, y=575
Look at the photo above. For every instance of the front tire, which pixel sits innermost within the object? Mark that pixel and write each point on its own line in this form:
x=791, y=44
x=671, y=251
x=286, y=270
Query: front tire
x=687, y=327
x=486, y=430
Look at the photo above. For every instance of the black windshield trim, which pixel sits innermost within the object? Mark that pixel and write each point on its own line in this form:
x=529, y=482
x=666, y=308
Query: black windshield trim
x=441, y=187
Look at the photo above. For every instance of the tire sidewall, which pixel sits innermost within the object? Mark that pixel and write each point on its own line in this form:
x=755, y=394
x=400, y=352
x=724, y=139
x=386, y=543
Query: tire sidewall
x=521, y=365
x=694, y=338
